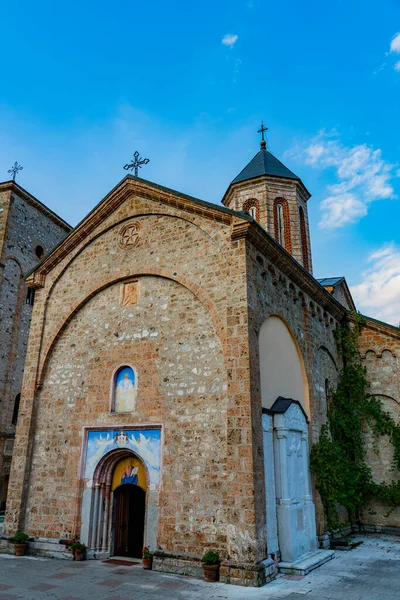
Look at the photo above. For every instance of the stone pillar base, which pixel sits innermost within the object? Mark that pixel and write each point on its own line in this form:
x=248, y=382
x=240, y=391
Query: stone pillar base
x=306, y=563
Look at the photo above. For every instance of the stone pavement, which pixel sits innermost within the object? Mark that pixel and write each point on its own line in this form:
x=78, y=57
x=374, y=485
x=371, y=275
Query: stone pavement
x=371, y=571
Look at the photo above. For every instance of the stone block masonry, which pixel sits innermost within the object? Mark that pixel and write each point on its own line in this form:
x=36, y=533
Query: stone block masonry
x=28, y=230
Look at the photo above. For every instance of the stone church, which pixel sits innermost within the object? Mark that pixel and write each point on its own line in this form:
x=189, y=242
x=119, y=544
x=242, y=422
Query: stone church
x=179, y=361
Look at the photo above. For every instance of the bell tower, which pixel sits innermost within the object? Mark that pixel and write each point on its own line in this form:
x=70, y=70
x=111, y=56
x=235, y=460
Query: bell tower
x=276, y=198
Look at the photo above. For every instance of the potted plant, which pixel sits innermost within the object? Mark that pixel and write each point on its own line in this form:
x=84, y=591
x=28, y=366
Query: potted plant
x=211, y=562
x=147, y=558
x=20, y=543
x=77, y=549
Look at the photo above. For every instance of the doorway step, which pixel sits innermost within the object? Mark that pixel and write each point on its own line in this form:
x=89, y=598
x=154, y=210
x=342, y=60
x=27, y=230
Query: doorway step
x=307, y=563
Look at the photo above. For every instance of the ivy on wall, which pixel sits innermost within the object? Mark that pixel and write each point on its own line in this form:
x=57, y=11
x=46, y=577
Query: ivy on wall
x=338, y=459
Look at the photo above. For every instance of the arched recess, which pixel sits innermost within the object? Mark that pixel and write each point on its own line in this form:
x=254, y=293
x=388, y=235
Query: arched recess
x=303, y=239
x=252, y=206
x=123, y=400
x=99, y=526
x=282, y=370
x=282, y=223
x=46, y=350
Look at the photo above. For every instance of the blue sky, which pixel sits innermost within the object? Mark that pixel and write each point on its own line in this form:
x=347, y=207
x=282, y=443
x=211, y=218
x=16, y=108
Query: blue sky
x=187, y=83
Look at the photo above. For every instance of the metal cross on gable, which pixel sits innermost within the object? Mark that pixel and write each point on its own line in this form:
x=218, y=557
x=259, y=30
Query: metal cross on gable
x=137, y=163
x=14, y=170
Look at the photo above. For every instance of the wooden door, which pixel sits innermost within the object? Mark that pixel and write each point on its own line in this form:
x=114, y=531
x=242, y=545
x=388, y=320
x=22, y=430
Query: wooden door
x=130, y=505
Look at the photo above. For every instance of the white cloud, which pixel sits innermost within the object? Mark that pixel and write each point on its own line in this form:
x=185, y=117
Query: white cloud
x=362, y=177
x=395, y=43
x=397, y=66
x=378, y=293
x=229, y=39
x=341, y=210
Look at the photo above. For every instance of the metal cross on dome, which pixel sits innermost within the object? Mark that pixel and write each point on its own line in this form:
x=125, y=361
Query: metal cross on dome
x=137, y=163
x=263, y=143
x=14, y=169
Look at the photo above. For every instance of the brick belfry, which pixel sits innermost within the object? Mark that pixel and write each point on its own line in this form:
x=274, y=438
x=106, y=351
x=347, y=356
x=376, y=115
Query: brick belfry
x=178, y=370
x=278, y=199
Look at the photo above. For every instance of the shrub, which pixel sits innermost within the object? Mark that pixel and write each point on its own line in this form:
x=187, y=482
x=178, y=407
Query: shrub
x=20, y=537
x=211, y=558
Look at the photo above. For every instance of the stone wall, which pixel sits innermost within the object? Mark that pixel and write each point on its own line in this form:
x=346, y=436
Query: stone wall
x=190, y=349
x=380, y=351
x=207, y=280
x=272, y=292
x=24, y=224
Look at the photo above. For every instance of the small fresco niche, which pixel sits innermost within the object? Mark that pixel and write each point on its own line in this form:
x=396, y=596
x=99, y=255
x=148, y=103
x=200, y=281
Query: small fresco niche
x=124, y=390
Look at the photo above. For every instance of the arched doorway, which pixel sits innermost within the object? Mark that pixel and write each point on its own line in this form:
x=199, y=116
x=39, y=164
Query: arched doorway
x=118, y=505
x=129, y=510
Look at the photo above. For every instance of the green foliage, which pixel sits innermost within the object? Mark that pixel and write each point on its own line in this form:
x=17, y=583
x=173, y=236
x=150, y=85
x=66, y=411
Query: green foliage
x=76, y=546
x=211, y=558
x=338, y=459
x=20, y=537
x=146, y=552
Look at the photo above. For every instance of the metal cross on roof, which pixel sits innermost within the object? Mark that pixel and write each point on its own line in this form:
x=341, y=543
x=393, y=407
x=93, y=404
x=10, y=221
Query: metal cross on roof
x=137, y=163
x=261, y=130
x=14, y=170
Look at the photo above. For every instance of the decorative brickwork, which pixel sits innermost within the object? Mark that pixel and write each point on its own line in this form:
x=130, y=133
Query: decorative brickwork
x=303, y=236
x=252, y=203
x=286, y=223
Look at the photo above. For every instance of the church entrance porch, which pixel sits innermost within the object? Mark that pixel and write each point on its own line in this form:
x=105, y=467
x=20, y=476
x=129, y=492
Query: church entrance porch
x=121, y=477
x=128, y=526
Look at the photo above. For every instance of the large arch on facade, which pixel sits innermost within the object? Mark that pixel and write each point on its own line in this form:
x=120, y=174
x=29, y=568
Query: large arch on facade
x=164, y=273
x=282, y=370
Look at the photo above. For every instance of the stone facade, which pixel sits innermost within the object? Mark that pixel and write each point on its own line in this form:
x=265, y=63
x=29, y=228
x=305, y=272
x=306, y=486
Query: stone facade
x=207, y=279
x=27, y=230
x=178, y=290
x=380, y=350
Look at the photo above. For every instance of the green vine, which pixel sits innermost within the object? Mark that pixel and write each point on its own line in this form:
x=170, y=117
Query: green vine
x=338, y=459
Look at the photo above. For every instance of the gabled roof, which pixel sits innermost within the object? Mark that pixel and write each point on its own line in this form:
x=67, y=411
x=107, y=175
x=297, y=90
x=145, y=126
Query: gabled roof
x=264, y=163
x=25, y=195
x=331, y=284
x=281, y=405
x=330, y=281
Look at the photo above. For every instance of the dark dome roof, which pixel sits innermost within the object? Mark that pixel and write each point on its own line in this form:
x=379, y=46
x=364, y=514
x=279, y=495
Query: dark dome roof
x=264, y=163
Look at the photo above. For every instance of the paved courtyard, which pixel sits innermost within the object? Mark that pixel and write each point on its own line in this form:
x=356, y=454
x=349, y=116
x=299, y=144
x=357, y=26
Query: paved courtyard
x=370, y=571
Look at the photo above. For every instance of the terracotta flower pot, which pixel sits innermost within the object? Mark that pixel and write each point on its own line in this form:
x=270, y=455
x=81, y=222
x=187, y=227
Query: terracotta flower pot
x=147, y=563
x=79, y=555
x=211, y=573
x=20, y=549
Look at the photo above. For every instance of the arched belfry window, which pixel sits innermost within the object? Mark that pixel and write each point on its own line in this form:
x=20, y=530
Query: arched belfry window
x=252, y=206
x=282, y=223
x=124, y=390
x=303, y=238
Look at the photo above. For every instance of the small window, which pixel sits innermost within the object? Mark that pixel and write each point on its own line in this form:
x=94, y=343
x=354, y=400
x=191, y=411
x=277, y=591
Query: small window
x=252, y=206
x=30, y=296
x=39, y=251
x=124, y=390
x=281, y=225
x=253, y=212
x=16, y=409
